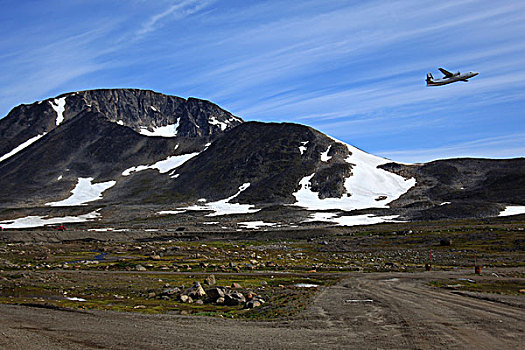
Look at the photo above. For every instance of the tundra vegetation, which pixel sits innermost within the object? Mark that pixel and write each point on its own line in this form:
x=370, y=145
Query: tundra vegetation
x=260, y=274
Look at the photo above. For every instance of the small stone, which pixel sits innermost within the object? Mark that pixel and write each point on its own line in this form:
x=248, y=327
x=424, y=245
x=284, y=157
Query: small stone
x=235, y=285
x=445, y=242
x=155, y=257
x=140, y=268
x=253, y=303
x=152, y=295
x=210, y=280
x=219, y=301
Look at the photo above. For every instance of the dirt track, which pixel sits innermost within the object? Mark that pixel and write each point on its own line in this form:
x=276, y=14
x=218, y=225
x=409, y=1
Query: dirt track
x=405, y=313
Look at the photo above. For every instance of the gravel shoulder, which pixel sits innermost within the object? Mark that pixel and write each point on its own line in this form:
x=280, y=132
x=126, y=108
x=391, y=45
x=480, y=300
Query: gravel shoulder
x=364, y=311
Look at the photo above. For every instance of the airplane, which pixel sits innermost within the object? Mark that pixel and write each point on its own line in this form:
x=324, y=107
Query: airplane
x=449, y=77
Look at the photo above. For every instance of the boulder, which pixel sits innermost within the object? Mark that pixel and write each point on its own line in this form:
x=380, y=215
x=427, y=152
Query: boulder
x=186, y=299
x=234, y=299
x=253, y=303
x=196, y=291
x=215, y=292
x=170, y=291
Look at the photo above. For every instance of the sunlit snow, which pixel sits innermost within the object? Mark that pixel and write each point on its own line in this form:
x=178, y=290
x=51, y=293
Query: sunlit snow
x=163, y=166
x=215, y=121
x=21, y=147
x=351, y=220
x=513, y=210
x=85, y=191
x=170, y=212
x=38, y=221
x=169, y=130
x=367, y=186
x=324, y=156
x=223, y=207
x=59, y=105
x=303, y=147
x=256, y=224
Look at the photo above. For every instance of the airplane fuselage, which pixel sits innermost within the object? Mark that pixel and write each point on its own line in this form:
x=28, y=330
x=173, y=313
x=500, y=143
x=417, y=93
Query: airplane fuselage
x=447, y=80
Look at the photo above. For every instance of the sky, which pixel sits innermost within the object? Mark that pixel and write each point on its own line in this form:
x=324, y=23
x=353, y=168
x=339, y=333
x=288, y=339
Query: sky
x=354, y=70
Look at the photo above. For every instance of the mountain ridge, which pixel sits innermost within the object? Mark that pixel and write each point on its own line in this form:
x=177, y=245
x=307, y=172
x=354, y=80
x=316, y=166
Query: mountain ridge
x=190, y=155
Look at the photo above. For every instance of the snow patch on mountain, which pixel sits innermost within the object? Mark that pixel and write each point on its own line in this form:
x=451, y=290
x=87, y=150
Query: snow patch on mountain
x=512, y=210
x=223, y=207
x=163, y=166
x=169, y=130
x=38, y=221
x=214, y=121
x=351, y=220
x=21, y=147
x=367, y=187
x=85, y=191
x=324, y=156
x=303, y=147
x=256, y=224
x=59, y=105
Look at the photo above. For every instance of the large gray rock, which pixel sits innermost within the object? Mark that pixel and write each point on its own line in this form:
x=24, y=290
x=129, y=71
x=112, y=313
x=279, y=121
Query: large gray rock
x=215, y=292
x=234, y=299
x=196, y=291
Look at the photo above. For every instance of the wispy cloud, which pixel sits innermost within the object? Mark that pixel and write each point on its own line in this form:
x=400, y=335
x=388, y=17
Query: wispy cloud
x=178, y=10
x=354, y=70
x=508, y=146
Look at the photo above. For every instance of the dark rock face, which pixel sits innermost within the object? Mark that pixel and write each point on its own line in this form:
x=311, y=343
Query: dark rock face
x=99, y=137
x=266, y=155
x=474, y=187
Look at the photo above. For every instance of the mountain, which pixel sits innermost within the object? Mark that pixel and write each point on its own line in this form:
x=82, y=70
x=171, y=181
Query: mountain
x=117, y=154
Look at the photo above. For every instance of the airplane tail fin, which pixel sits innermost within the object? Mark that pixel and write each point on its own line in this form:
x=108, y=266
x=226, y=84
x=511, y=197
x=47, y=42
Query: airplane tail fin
x=429, y=78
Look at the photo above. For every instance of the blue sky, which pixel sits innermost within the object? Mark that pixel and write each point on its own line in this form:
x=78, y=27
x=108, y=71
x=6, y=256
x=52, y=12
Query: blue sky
x=354, y=70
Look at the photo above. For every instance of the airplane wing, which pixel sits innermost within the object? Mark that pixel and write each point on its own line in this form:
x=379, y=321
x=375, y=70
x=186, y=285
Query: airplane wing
x=446, y=72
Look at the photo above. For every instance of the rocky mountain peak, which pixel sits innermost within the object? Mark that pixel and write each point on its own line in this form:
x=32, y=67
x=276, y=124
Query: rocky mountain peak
x=146, y=112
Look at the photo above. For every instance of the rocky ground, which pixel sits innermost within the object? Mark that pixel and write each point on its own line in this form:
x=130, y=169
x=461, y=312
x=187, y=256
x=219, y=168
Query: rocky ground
x=389, y=286
x=363, y=311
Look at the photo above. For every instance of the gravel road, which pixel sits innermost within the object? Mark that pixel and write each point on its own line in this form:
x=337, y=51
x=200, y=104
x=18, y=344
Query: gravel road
x=363, y=311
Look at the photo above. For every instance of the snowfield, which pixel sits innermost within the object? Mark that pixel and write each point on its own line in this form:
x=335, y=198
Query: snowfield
x=351, y=220
x=59, y=105
x=367, y=186
x=223, y=207
x=39, y=221
x=256, y=224
x=169, y=130
x=21, y=147
x=163, y=166
x=513, y=210
x=85, y=191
